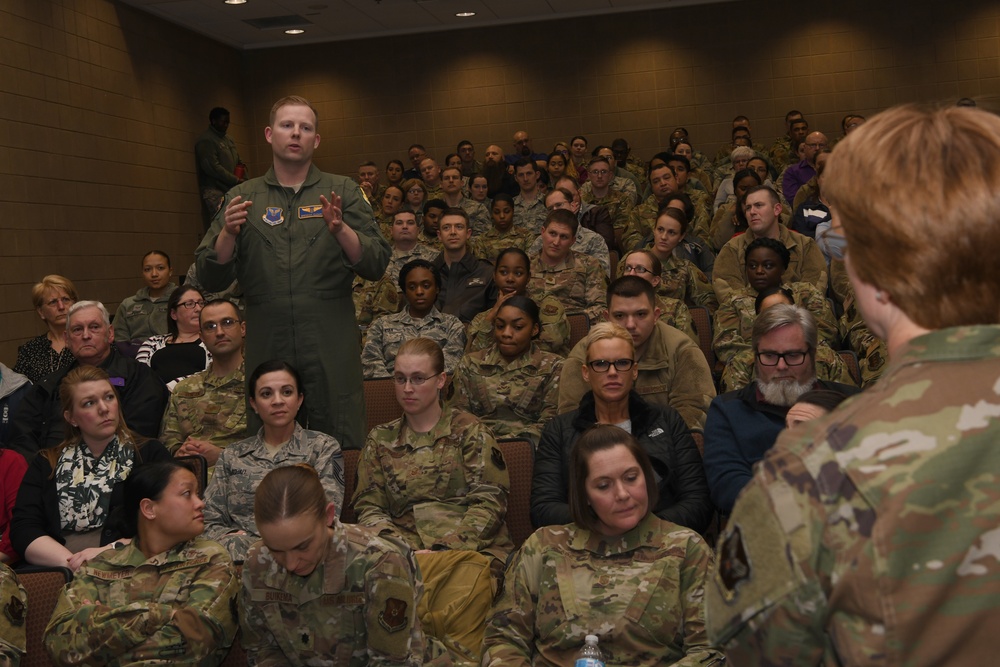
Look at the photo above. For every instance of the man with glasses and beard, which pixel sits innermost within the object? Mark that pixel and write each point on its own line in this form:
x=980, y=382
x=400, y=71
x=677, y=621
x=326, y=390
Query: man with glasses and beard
x=743, y=424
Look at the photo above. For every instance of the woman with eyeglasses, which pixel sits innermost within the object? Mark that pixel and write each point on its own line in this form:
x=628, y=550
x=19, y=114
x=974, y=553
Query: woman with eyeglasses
x=181, y=351
x=276, y=395
x=145, y=314
x=611, y=370
x=47, y=353
x=414, y=197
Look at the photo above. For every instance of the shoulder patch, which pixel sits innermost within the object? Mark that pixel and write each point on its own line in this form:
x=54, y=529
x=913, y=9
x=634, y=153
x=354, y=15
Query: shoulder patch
x=734, y=562
x=498, y=460
x=14, y=611
x=393, y=618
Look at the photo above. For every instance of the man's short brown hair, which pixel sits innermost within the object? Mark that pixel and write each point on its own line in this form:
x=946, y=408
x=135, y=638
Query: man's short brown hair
x=918, y=193
x=563, y=216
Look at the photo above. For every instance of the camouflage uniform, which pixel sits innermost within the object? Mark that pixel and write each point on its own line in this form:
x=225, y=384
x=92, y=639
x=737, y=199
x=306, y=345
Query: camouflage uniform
x=641, y=221
x=176, y=608
x=735, y=317
x=636, y=167
x=619, y=205
x=588, y=242
x=206, y=407
x=781, y=153
x=578, y=282
x=869, y=536
x=514, y=398
x=388, y=333
x=358, y=607
x=399, y=258
x=447, y=488
x=806, y=265
x=530, y=215
x=434, y=243
x=871, y=351
x=672, y=371
x=489, y=244
x=685, y=282
x=13, y=635
x=480, y=218
x=677, y=315
x=242, y=466
x=641, y=593
x=740, y=370
x=553, y=338
x=373, y=300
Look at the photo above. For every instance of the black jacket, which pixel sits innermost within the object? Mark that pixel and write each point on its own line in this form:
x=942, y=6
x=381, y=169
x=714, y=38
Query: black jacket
x=467, y=287
x=36, y=511
x=38, y=423
x=660, y=430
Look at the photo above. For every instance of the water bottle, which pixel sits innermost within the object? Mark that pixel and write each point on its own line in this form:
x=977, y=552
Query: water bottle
x=590, y=654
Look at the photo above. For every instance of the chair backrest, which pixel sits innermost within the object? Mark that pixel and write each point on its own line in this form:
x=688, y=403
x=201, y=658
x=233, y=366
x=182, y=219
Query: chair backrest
x=853, y=367
x=519, y=455
x=351, y=457
x=701, y=319
x=197, y=464
x=579, y=326
x=43, y=588
x=381, y=405
x=613, y=257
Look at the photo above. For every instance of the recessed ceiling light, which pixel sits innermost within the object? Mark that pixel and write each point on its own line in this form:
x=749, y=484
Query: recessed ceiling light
x=294, y=31
x=465, y=15
x=236, y=2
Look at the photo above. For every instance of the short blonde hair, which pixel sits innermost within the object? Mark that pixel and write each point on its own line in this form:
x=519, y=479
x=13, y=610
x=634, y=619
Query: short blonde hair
x=918, y=193
x=293, y=101
x=607, y=331
x=52, y=282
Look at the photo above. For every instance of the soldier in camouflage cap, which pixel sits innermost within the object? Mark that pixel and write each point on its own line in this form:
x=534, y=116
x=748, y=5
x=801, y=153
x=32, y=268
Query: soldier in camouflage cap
x=316, y=591
x=618, y=571
x=168, y=597
x=434, y=478
x=870, y=536
x=276, y=396
x=13, y=638
x=207, y=411
x=512, y=386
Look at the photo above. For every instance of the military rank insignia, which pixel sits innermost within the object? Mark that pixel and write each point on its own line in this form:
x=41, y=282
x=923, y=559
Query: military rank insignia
x=273, y=216
x=393, y=617
x=14, y=611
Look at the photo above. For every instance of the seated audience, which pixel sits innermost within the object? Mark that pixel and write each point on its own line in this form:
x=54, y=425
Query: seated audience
x=588, y=242
x=592, y=218
x=466, y=281
x=644, y=264
x=420, y=282
x=813, y=211
x=39, y=423
x=394, y=174
x=69, y=503
x=48, y=352
x=207, y=411
x=479, y=189
x=512, y=386
x=304, y=549
x=478, y=213
x=692, y=247
x=390, y=204
x=433, y=478
x=742, y=425
x=276, y=396
x=576, y=280
x=503, y=233
x=529, y=204
x=726, y=194
x=617, y=571
x=672, y=370
x=610, y=373
x=730, y=220
x=762, y=209
x=511, y=276
x=680, y=279
x=145, y=314
x=169, y=597
x=180, y=352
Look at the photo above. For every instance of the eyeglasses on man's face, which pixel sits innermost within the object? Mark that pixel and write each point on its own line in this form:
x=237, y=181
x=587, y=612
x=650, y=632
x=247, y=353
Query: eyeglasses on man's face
x=225, y=323
x=793, y=358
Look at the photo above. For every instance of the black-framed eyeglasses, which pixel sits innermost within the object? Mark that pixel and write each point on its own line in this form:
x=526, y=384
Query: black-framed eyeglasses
x=225, y=323
x=191, y=304
x=641, y=270
x=604, y=365
x=793, y=358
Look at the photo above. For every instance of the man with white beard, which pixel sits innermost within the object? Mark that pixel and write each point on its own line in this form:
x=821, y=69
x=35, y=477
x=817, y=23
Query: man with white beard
x=743, y=424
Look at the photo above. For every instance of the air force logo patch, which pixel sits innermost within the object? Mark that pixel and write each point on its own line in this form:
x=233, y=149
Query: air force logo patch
x=273, y=216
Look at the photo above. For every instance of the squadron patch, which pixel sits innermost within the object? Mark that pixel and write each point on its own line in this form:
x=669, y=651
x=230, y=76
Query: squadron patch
x=393, y=617
x=273, y=216
x=734, y=562
x=498, y=461
x=311, y=211
x=14, y=611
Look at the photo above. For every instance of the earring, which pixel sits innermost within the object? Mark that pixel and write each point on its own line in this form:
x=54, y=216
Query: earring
x=880, y=296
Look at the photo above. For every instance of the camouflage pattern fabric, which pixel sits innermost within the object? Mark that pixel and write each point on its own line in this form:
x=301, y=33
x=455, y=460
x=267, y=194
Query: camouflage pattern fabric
x=677, y=315
x=685, y=282
x=206, y=407
x=373, y=300
x=445, y=489
x=641, y=593
x=619, y=205
x=387, y=334
x=554, y=336
x=242, y=466
x=13, y=635
x=578, y=282
x=807, y=263
x=741, y=370
x=531, y=215
x=514, y=399
x=588, y=242
x=358, y=607
x=489, y=244
x=176, y=608
x=870, y=536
